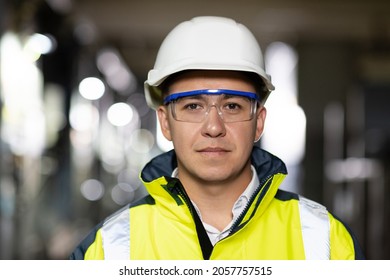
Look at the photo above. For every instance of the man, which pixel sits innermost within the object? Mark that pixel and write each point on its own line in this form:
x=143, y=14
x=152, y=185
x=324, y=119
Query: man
x=215, y=196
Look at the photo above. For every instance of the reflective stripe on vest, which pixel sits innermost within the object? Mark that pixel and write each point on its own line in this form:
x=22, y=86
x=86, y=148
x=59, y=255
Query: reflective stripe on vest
x=315, y=226
x=315, y=229
x=116, y=236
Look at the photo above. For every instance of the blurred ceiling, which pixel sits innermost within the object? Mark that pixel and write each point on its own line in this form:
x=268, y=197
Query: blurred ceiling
x=136, y=28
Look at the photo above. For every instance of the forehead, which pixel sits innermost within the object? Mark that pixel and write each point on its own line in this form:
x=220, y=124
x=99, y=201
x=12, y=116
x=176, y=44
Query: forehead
x=209, y=79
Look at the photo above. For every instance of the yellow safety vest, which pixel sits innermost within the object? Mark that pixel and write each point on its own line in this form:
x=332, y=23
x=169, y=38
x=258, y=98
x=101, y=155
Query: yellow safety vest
x=276, y=225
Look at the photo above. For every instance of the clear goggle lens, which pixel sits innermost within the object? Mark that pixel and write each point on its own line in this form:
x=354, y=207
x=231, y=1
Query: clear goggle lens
x=194, y=106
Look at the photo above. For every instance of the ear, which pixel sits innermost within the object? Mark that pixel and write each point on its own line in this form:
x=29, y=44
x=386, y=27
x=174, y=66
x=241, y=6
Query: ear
x=260, y=121
x=163, y=118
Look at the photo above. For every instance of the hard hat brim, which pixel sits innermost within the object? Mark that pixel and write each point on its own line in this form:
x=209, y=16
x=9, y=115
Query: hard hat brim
x=157, y=77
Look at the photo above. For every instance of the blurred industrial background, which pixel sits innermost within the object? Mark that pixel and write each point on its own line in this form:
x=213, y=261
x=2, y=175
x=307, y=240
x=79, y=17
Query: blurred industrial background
x=75, y=129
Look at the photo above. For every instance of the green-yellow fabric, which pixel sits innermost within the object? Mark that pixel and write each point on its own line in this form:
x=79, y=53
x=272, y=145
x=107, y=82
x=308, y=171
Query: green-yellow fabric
x=166, y=230
x=162, y=226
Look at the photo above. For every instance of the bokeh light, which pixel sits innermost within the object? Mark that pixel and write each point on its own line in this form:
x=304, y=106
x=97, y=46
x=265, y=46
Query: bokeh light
x=92, y=189
x=91, y=88
x=122, y=193
x=120, y=114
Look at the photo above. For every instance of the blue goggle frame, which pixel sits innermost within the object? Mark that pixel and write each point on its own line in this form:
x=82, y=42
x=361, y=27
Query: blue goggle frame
x=175, y=96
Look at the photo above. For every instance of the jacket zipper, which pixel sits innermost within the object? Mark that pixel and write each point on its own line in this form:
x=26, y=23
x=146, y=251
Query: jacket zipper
x=203, y=238
x=235, y=225
x=180, y=192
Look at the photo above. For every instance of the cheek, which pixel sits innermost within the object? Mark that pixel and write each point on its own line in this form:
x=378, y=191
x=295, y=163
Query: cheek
x=183, y=134
x=243, y=133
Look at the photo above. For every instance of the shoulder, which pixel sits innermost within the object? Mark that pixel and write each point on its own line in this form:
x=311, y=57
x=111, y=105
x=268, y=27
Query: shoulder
x=344, y=241
x=303, y=202
x=92, y=242
x=110, y=228
x=320, y=228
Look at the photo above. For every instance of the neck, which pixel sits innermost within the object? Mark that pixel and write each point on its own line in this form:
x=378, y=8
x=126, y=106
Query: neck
x=215, y=200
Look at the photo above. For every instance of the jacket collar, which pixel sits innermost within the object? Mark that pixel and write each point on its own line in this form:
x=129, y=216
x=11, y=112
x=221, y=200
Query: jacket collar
x=156, y=176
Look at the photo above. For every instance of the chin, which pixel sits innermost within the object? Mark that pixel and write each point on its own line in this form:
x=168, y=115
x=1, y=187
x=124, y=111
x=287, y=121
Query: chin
x=214, y=174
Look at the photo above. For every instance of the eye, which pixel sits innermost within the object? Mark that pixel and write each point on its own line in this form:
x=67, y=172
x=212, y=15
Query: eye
x=192, y=106
x=188, y=104
x=232, y=106
x=235, y=105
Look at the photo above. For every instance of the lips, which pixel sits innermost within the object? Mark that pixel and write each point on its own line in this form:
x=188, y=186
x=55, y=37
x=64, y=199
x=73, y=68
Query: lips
x=213, y=151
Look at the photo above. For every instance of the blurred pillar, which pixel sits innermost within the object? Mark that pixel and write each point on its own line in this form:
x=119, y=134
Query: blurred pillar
x=323, y=78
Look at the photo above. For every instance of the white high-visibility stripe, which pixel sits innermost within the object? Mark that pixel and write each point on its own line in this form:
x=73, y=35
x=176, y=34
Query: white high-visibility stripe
x=116, y=236
x=315, y=229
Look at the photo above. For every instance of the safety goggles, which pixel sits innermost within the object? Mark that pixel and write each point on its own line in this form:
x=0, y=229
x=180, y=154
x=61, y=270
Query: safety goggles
x=195, y=106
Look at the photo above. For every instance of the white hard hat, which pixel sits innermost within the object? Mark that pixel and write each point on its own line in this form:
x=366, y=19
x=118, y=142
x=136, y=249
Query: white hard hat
x=205, y=43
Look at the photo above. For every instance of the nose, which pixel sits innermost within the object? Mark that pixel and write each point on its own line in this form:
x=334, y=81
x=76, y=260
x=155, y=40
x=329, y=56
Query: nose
x=213, y=125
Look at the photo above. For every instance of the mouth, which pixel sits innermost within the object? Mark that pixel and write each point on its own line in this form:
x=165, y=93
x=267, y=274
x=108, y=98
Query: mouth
x=213, y=151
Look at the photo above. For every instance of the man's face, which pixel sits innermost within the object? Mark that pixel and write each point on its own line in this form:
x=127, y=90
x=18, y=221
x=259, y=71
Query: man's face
x=212, y=150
